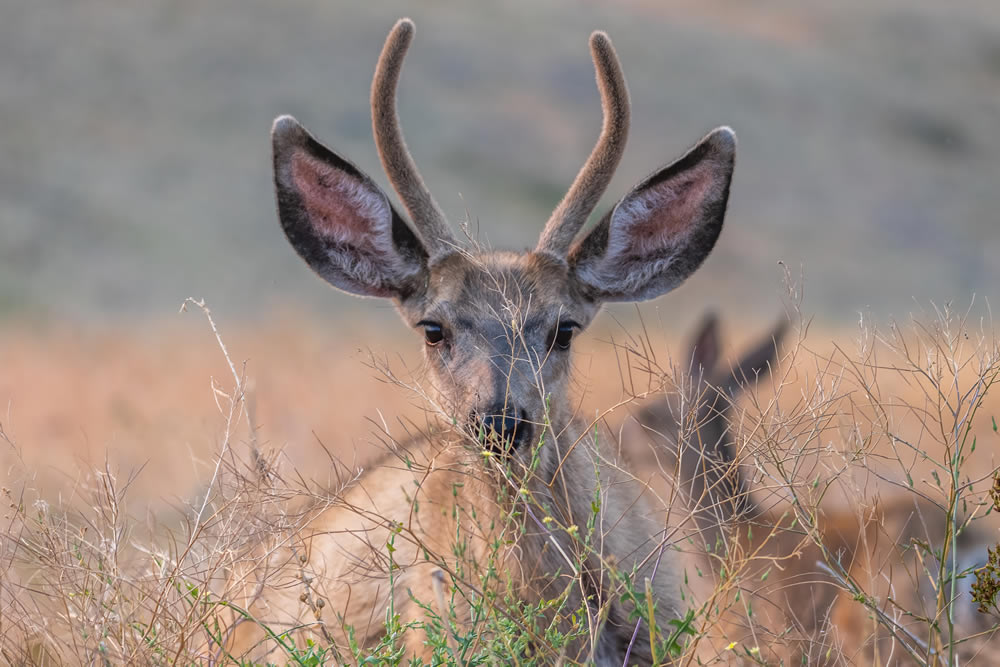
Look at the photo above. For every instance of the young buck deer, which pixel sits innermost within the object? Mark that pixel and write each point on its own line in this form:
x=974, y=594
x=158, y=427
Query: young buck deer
x=511, y=474
x=803, y=612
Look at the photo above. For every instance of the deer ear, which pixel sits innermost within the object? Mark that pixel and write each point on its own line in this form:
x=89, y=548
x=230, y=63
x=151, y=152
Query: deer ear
x=705, y=347
x=756, y=363
x=339, y=221
x=662, y=230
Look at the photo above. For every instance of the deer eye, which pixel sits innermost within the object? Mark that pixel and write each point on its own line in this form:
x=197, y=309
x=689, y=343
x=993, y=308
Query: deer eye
x=564, y=334
x=433, y=333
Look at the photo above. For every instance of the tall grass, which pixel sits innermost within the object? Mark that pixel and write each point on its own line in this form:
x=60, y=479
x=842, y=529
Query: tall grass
x=871, y=466
x=873, y=463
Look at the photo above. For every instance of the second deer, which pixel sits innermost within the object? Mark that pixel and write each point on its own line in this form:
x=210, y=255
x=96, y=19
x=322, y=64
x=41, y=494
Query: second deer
x=804, y=610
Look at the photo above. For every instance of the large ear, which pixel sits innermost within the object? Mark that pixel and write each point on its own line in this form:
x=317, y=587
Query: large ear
x=662, y=230
x=340, y=222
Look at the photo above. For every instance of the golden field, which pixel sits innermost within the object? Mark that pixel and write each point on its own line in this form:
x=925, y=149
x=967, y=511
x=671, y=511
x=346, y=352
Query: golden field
x=141, y=401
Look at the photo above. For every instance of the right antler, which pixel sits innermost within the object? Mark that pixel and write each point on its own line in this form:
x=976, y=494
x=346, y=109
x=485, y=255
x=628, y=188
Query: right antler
x=397, y=162
x=579, y=202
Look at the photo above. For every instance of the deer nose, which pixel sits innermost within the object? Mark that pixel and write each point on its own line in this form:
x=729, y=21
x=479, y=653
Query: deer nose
x=500, y=424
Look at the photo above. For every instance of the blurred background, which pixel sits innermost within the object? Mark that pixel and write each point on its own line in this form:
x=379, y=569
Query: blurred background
x=135, y=171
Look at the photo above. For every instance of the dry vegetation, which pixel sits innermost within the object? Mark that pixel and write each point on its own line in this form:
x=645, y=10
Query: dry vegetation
x=870, y=459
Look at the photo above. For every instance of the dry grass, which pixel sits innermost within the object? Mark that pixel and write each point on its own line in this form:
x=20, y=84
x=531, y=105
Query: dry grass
x=135, y=483
x=142, y=397
x=871, y=462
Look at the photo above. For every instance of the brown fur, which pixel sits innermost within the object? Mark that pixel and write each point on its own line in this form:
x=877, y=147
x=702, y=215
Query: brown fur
x=442, y=492
x=399, y=166
x=572, y=212
x=511, y=468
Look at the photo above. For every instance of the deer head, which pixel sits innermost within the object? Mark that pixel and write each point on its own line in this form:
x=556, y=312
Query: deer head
x=498, y=326
x=694, y=424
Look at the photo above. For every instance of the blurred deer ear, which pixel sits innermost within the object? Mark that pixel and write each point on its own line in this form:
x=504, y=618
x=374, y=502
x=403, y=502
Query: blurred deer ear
x=662, y=230
x=339, y=221
x=705, y=348
x=756, y=363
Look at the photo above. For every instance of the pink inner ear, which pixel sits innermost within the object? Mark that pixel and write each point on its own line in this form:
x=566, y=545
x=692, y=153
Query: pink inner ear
x=339, y=206
x=666, y=213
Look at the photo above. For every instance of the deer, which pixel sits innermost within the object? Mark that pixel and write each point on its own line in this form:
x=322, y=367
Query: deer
x=510, y=467
x=685, y=433
x=804, y=610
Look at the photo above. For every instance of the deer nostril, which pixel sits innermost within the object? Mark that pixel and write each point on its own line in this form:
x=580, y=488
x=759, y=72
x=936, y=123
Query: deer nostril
x=499, y=425
x=524, y=430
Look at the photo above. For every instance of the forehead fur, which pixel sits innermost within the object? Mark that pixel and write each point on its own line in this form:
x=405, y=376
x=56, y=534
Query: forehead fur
x=492, y=282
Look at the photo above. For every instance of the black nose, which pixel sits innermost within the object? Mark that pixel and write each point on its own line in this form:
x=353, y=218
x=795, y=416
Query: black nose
x=499, y=425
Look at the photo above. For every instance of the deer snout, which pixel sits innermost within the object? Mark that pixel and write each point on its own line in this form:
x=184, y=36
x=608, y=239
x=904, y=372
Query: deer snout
x=502, y=426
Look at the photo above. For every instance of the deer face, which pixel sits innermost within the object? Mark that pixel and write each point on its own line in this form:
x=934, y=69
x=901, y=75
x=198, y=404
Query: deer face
x=498, y=326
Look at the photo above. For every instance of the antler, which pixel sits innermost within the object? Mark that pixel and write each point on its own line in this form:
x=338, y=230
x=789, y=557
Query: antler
x=397, y=162
x=593, y=179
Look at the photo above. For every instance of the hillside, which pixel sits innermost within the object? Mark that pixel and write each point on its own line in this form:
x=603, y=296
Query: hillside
x=134, y=164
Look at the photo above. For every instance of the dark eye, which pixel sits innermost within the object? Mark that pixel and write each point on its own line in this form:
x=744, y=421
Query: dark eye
x=564, y=334
x=433, y=333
